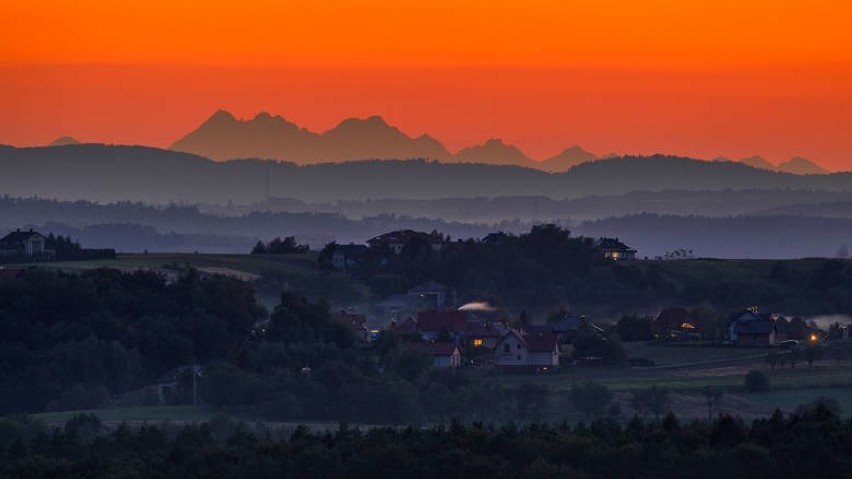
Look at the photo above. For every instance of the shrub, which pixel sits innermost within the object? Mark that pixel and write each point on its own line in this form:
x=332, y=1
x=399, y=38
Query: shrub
x=756, y=382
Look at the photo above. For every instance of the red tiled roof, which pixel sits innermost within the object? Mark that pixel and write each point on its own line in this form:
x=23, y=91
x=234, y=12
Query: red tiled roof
x=452, y=321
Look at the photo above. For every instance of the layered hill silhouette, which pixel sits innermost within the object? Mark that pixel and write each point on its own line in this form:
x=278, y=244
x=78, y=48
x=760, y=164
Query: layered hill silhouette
x=796, y=165
x=224, y=137
x=114, y=173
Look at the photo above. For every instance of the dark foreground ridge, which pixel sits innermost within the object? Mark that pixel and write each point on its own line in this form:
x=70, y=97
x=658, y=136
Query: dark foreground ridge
x=814, y=443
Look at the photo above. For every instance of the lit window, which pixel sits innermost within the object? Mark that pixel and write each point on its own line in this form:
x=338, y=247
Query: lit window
x=477, y=342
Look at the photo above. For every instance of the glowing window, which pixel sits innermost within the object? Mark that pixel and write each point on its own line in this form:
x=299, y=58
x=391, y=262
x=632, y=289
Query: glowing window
x=477, y=342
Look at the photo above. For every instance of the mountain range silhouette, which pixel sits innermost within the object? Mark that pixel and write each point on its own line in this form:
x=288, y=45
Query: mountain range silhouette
x=224, y=137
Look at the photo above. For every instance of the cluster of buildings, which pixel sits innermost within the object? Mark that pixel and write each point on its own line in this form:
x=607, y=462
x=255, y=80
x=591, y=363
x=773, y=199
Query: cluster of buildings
x=451, y=337
x=346, y=257
x=25, y=245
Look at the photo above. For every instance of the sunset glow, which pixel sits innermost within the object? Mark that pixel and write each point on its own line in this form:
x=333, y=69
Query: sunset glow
x=703, y=78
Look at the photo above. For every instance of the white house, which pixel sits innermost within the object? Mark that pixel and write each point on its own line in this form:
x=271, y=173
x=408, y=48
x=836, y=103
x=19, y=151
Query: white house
x=518, y=349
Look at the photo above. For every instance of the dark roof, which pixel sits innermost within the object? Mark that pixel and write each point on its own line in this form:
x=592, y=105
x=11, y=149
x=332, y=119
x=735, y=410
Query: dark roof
x=17, y=238
x=403, y=236
x=453, y=321
x=433, y=349
x=570, y=324
x=672, y=318
x=758, y=326
x=613, y=244
x=541, y=343
x=749, y=314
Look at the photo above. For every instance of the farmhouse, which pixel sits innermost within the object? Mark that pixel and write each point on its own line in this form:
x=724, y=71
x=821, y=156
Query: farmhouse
x=516, y=349
x=752, y=328
x=24, y=244
x=615, y=250
x=396, y=240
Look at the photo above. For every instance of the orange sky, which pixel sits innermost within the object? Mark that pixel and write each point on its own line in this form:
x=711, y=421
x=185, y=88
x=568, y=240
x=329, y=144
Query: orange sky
x=701, y=78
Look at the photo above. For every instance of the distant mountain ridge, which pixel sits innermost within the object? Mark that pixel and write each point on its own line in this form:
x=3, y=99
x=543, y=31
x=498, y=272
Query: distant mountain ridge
x=114, y=173
x=223, y=137
x=796, y=165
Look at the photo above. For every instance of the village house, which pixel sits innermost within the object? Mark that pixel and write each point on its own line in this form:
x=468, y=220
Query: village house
x=565, y=329
x=674, y=323
x=346, y=257
x=516, y=349
x=396, y=240
x=752, y=328
x=24, y=244
x=615, y=250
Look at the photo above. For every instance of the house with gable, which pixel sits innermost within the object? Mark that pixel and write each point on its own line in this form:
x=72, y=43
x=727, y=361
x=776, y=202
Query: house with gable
x=614, y=249
x=24, y=244
x=517, y=349
x=752, y=328
x=396, y=240
x=674, y=323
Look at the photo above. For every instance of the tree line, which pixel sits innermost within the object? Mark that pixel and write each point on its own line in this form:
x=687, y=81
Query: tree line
x=813, y=442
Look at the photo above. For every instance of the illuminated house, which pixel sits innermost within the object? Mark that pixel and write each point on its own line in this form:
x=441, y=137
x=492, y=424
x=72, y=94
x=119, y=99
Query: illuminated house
x=674, y=323
x=615, y=250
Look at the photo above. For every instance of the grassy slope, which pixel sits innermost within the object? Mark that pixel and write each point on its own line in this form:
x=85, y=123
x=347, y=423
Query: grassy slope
x=272, y=273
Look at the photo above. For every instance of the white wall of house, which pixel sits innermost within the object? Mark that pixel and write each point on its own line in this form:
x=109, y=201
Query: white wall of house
x=451, y=361
x=510, y=351
x=34, y=246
